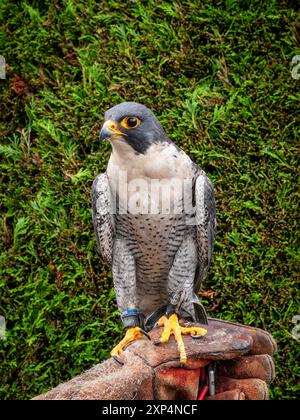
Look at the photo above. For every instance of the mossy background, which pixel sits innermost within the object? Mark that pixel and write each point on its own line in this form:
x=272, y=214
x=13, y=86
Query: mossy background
x=218, y=76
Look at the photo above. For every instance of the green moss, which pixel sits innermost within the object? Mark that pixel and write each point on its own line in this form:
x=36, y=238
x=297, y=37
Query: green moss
x=218, y=76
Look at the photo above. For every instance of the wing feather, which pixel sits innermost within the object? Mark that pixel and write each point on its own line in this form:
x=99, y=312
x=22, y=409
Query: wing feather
x=103, y=217
x=205, y=225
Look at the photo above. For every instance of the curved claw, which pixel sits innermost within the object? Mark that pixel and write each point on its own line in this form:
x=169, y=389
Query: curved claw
x=196, y=336
x=145, y=334
x=131, y=335
x=118, y=360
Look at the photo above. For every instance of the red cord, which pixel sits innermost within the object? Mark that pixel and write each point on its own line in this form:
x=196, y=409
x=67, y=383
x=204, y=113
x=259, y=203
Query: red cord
x=203, y=393
x=202, y=375
x=203, y=381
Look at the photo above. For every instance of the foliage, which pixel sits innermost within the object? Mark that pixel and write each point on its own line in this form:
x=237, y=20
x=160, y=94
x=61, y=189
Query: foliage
x=218, y=76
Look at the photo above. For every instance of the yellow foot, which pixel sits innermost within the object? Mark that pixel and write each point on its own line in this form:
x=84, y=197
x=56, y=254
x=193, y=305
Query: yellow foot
x=171, y=326
x=132, y=334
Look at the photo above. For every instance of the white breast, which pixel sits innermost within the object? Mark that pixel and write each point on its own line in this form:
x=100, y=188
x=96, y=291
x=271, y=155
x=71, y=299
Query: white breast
x=152, y=181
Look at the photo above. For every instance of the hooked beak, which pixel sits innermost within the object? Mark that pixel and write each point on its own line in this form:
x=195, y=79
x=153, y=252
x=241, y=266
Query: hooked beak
x=110, y=131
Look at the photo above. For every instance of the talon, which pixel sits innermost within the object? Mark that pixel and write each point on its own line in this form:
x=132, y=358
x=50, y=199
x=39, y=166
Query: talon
x=131, y=335
x=196, y=336
x=118, y=360
x=145, y=334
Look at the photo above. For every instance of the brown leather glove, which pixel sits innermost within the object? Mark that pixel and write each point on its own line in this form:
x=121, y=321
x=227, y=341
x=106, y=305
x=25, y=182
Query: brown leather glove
x=242, y=354
x=248, y=376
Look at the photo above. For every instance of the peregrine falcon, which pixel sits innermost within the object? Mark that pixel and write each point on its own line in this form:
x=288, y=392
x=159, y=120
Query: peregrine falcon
x=154, y=220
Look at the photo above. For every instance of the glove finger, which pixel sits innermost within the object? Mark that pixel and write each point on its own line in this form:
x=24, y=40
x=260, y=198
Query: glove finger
x=234, y=394
x=263, y=342
x=254, y=389
x=257, y=366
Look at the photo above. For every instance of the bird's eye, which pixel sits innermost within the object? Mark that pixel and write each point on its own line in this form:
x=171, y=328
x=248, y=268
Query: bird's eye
x=130, y=122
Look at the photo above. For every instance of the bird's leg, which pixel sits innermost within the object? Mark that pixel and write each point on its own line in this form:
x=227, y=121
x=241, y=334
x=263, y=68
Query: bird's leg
x=131, y=320
x=171, y=325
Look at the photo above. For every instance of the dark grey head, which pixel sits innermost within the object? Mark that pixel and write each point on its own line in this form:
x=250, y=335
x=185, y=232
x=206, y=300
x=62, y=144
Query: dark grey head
x=134, y=124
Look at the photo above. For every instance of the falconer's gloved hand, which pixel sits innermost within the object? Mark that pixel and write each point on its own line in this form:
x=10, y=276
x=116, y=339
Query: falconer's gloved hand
x=247, y=376
x=241, y=356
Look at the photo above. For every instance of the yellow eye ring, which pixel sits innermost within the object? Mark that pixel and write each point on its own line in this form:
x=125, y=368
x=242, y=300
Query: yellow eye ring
x=130, y=122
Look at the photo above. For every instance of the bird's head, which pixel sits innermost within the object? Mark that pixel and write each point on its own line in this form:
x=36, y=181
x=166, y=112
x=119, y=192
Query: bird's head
x=133, y=124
